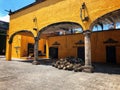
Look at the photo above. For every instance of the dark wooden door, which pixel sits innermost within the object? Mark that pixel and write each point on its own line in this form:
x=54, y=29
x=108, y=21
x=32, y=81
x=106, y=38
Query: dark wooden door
x=81, y=53
x=111, y=54
x=53, y=52
x=30, y=48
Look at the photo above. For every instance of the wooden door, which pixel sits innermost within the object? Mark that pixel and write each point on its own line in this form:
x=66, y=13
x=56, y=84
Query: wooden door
x=53, y=52
x=81, y=53
x=111, y=54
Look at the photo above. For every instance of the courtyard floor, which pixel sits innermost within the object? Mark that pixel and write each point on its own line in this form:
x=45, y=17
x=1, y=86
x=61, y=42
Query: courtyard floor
x=17, y=75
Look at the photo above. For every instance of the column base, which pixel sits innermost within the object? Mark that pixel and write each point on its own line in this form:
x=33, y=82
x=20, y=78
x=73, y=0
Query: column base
x=35, y=62
x=8, y=60
x=88, y=69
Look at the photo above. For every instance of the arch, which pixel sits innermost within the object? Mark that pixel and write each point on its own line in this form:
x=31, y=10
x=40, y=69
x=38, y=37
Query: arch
x=19, y=32
x=57, y=27
x=109, y=18
x=10, y=40
x=61, y=26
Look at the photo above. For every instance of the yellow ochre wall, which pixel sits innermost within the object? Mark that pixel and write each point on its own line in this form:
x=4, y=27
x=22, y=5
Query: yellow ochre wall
x=53, y=11
x=22, y=43
x=99, y=47
x=67, y=45
x=16, y=43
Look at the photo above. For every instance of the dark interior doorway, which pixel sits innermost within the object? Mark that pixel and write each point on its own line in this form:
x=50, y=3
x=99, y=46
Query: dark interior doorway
x=30, y=49
x=2, y=44
x=81, y=53
x=53, y=52
x=111, y=54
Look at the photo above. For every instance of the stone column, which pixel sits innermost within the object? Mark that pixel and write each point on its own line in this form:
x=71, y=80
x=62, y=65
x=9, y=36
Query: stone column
x=88, y=66
x=35, y=61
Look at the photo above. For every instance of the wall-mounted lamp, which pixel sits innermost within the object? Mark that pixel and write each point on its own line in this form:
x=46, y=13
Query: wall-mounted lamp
x=35, y=22
x=83, y=13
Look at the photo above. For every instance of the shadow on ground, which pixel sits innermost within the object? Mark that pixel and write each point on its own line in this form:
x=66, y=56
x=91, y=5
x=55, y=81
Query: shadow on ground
x=99, y=67
x=41, y=61
x=106, y=68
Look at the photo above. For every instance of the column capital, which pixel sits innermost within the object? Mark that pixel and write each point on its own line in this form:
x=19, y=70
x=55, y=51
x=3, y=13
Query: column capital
x=36, y=38
x=86, y=32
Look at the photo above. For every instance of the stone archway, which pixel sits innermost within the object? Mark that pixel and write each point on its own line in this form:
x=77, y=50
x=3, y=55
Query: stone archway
x=60, y=26
x=57, y=28
x=111, y=18
x=19, y=32
x=10, y=40
x=106, y=29
x=52, y=28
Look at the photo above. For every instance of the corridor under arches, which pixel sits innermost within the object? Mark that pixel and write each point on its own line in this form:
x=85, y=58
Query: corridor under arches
x=60, y=39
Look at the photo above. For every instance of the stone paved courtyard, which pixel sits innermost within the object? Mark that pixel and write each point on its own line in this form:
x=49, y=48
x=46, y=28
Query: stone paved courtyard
x=16, y=75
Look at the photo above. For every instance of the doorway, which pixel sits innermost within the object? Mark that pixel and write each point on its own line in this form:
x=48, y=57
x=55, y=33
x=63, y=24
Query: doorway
x=30, y=49
x=53, y=52
x=81, y=53
x=111, y=54
x=2, y=44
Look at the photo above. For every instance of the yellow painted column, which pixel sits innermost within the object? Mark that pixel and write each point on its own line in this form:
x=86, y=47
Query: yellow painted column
x=8, y=50
x=47, y=48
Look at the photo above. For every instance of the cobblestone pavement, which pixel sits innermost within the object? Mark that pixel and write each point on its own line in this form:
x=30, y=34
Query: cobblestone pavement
x=15, y=75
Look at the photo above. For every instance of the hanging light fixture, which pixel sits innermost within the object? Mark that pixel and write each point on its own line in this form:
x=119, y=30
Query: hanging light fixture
x=35, y=22
x=83, y=13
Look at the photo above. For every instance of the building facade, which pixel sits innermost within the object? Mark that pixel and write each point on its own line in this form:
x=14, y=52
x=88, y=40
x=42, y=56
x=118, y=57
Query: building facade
x=88, y=29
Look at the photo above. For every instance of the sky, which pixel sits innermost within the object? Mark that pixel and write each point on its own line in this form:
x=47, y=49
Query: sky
x=13, y=5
